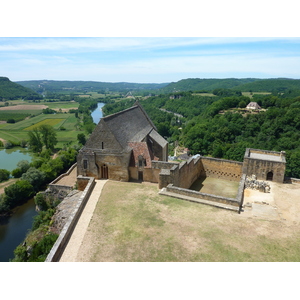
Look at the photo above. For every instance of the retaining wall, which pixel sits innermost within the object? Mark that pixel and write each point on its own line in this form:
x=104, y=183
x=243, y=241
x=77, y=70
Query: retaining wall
x=222, y=168
x=68, y=229
x=55, y=188
x=238, y=201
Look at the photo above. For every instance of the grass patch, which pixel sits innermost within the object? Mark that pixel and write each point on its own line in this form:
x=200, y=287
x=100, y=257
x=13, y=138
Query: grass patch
x=51, y=122
x=132, y=222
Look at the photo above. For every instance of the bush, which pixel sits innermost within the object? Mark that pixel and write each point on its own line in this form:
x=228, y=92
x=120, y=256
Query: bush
x=18, y=192
x=43, y=218
x=42, y=248
x=11, y=121
x=40, y=201
x=8, y=145
x=35, y=177
x=4, y=175
x=16, y=173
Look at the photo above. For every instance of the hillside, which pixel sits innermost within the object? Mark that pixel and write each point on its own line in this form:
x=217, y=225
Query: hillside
x=195, y=84
x=270, y=85
x=42, y=86
x=10, y=90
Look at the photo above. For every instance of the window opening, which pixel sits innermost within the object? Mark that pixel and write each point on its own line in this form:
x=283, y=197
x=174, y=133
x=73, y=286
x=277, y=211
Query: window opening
x=85, y=164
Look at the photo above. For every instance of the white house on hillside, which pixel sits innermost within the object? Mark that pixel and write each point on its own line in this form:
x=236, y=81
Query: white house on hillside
x=253, y=105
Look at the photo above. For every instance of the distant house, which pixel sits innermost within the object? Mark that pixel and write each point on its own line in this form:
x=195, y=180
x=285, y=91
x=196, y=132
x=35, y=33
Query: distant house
x=253, y=105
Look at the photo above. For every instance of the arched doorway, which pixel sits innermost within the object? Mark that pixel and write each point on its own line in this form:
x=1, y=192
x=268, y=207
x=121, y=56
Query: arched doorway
x=104, y=172
x=270, y=176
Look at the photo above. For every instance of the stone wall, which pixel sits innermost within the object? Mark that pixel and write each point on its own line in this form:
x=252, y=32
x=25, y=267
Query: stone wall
x=222, y=168
x=261, y=167
x=187, y=172
x=62, y=241
x=116, y=163
x=199, y=195
x=237, y=202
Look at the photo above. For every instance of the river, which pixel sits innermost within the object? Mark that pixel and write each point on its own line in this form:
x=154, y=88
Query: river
x=97, y=113
x=13, y=230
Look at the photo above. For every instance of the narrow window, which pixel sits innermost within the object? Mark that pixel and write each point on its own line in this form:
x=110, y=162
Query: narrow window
x=102, y=145
x=85, y=164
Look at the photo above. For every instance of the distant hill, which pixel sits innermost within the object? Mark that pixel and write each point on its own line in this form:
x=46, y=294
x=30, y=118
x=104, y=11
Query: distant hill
x=190, y=84
x=270, y=85
x=10, y=90
x=56, y=86
x=195, y=84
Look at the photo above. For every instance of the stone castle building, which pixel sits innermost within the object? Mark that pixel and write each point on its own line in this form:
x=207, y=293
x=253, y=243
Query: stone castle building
x=123, y=147
x=126, y=146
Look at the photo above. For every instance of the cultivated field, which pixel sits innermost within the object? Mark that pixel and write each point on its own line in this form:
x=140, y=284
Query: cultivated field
x=131, y=222
x=33, y=112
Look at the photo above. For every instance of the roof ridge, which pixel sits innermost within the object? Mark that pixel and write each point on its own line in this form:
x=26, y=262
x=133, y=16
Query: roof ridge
x=119, y=112
x=137, y=103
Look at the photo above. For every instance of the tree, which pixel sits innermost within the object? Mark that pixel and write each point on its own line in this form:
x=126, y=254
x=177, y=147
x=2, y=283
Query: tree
x=4, y=175
x=23, y=165
x=81, y=138
x=35, y=140
x=18, y=192
x=48, y=136
x=35, y=177
x=43, y=135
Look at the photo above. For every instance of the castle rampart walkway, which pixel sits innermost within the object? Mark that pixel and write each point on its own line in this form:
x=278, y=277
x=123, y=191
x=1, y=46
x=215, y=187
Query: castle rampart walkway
x=72, y=248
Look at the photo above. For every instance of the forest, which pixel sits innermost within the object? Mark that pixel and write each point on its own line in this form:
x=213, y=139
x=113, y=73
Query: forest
x=10, y=91
x=191, y=84
x=221, y=127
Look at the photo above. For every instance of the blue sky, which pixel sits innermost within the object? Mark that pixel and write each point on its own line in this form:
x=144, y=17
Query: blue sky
x=148, y=59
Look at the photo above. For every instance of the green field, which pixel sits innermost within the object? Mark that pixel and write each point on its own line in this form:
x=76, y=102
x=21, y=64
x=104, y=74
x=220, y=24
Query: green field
x=62, y=105
x=63, y=123
x=52, y=122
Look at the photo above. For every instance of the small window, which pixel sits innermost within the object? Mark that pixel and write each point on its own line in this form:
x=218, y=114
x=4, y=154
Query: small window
x=141, y=159
x=102, y=145
x=85, y=162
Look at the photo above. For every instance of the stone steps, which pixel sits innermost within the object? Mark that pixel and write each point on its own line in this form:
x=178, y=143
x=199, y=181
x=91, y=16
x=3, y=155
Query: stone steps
x=201, y=201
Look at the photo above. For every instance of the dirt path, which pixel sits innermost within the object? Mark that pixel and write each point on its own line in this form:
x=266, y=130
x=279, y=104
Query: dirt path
x=76, y=239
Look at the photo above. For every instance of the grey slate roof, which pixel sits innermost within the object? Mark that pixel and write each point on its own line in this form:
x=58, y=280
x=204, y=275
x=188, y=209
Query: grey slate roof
x=158, y=138
x=130, y=125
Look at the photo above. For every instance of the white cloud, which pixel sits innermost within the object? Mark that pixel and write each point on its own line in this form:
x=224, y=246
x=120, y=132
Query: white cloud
x=118, y=44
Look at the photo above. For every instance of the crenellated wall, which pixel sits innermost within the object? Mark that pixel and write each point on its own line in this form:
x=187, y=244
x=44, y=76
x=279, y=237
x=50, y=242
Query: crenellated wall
x=186, y=173
x=222, y=168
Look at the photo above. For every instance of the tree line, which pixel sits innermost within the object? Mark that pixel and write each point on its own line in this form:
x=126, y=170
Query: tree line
x=220, y=127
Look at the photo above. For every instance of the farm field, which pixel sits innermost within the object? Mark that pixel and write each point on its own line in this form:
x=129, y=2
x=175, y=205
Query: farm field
x=64, y=106
x=63, y=123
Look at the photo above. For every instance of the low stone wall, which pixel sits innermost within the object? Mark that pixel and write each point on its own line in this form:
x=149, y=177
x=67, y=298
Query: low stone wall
x=238, y=201
x=63, y=175
x=68, y=229
x=292, y=180
x=240, y=194
x=199, y=195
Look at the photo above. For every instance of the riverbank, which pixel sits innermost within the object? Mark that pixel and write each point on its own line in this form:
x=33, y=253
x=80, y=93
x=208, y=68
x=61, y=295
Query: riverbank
x=7, y=183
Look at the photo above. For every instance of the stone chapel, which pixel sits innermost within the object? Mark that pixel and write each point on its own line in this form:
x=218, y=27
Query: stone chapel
x=123, y=146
